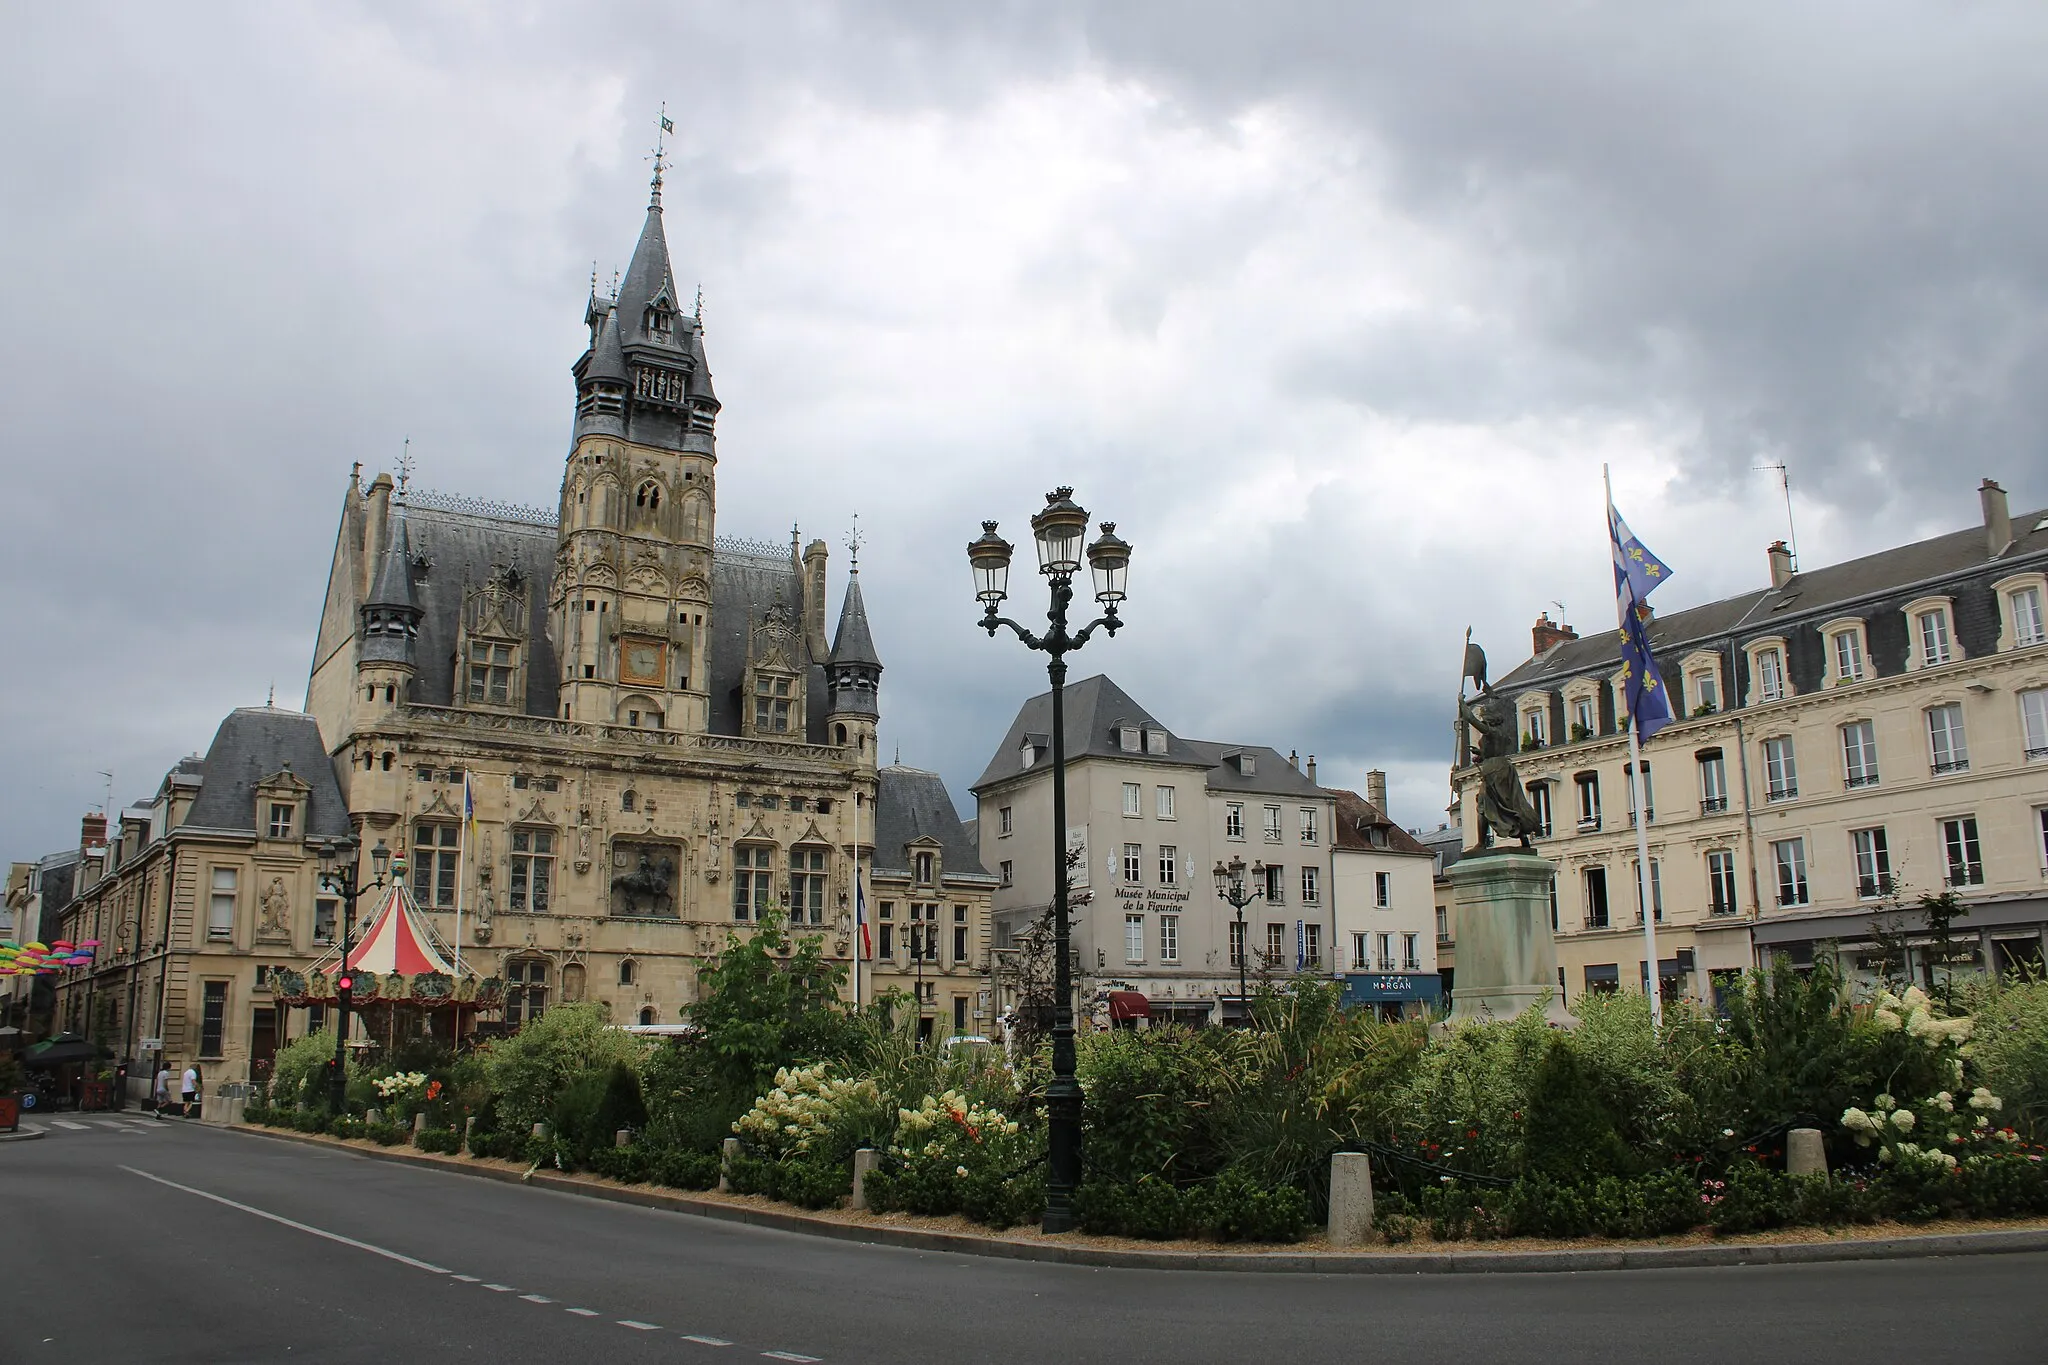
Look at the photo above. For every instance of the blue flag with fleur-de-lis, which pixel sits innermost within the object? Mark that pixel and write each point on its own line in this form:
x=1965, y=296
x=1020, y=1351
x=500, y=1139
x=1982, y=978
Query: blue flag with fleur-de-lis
x=1637, y=574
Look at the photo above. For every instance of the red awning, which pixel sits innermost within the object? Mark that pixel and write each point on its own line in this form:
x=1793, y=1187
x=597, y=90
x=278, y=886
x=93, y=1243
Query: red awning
x=1129, y=1005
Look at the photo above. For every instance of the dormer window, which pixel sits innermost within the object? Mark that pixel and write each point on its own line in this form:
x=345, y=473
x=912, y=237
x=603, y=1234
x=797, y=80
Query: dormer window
x=490, y=673
x=1931, y=632
x=1845, y=652
x=1155, y=741
x=771, y=704
x=1127, y=738
x=281, y=813
x=924, y=869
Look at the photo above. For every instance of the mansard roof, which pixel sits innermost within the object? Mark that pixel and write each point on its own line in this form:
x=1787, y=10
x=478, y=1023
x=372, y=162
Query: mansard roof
x=912, y=804
x=255, y=743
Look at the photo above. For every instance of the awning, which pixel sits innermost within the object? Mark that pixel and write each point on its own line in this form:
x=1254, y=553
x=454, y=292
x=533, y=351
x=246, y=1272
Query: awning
x=397, y=941
x=1129, y=1005
x=60, y=1053
x=1606, y=971
x=1372, y=987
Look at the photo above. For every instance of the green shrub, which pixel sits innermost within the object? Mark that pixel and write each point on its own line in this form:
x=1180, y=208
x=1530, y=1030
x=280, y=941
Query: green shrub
x=2008, y=1185
x=628, y=1165
x=387, y=1134
x=1151, y=1207
x=1752, y=1198
x=528, y=1071
x=310, y=1121
x=500, y=1146
x=2009, y=1051
x=1000, y=1201
x=812, y=1184
x=1236, y=1208
x=1570, y=1132
x=299, y=1075
x=345, y=1127
x=443, y=1140
x=683, y=1170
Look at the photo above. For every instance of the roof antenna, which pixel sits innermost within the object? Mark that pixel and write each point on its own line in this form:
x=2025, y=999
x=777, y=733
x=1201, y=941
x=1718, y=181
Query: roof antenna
x=1785, y=482
x=853, y=546
x=270, y=701
x=899, y=756
x=107, y=804
x=1562, y=617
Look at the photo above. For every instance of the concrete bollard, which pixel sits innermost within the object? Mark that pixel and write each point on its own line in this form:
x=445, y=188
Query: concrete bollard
x=373, y=1116
x=728, y=1149
x=419, y=1122
x=864, y=1161
x=540, y=1130
x=1804, y=1154
x=623, y=1138
x=469, y=1134
x=1350, y=1199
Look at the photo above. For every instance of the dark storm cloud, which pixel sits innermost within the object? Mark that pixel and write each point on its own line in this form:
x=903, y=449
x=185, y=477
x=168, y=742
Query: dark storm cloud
x=1312, y=283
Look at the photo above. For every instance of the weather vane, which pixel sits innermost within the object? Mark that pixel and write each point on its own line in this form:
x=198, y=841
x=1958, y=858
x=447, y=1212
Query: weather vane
x=405, y=467
x=853, y=544
x=663, y=126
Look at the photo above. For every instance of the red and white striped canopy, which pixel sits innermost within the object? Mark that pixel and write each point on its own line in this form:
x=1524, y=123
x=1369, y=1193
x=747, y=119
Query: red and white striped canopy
x=397, y=941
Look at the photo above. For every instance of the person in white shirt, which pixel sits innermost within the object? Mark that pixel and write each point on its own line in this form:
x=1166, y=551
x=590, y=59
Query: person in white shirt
x=160, y=1093
x=189, y=1085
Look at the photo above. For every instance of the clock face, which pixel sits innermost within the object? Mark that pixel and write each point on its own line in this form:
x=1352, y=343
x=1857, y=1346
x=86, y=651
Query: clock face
x=643, y=661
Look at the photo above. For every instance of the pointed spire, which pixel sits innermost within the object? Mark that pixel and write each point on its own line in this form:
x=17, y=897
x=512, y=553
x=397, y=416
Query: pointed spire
x=854, y=645
x=391, y=614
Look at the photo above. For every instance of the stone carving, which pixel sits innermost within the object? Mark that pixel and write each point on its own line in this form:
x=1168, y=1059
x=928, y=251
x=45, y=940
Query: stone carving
x=1502, y=807
x=643, y=880
x=277, y=912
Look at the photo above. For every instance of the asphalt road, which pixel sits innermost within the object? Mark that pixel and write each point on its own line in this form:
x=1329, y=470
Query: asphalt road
x=131, y=1241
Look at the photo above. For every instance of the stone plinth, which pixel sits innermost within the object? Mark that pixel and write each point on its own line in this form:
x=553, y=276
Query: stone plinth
x=1350, y=1222
x=1805, y=1152
x=1507, y=958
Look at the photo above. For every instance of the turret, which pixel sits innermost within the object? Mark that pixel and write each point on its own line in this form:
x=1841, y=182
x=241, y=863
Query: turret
x=387, y=657
x=853, y=676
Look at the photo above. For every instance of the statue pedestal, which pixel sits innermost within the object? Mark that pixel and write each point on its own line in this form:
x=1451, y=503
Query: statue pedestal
x=1507, y=958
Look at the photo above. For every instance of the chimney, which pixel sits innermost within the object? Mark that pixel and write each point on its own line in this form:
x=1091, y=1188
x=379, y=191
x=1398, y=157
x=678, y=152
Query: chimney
x=1376, y=790
x=1781, y=564
x=1311, y=767
x=1546, y=633
x=1997, y=518
x=1294, y=759
x=377, y=515
x=92, y=830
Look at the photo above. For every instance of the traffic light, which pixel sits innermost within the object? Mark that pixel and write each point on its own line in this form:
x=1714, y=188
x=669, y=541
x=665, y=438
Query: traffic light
x=344, y=986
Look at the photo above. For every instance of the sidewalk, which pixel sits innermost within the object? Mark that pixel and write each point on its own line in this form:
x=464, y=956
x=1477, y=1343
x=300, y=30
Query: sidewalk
x=1303, y=1258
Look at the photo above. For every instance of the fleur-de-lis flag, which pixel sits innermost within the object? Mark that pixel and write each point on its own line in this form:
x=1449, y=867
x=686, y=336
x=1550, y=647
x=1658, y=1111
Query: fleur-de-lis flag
x=1637, y=574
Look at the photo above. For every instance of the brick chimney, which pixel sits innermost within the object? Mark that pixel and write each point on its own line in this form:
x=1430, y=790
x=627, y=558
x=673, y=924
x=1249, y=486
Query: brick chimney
x=92, y=830
x=1547, y=633
x=1376, y=790
x=1781, y=564
x=1311, y=767
x=1997, y=518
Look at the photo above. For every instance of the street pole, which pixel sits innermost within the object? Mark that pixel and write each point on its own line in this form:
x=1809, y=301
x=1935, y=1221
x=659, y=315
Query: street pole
x=1058, y=529
x=1230, y=886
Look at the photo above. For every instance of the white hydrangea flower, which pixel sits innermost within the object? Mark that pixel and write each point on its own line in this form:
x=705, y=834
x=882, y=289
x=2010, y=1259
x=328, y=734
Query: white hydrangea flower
x=1902, y=1119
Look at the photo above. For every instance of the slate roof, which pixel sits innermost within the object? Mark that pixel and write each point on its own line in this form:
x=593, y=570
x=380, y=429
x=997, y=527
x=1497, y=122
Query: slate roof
x=1095, y=707
x=852, y=643
x=453, y=549
x=1819, y=594
x=1272, y=774
x=1448, y=843
x=743, y=587
x=911, y=803
x=1358, y=818
x=256, y=742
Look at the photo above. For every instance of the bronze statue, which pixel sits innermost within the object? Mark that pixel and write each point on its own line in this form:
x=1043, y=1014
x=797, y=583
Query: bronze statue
x=1503, y=807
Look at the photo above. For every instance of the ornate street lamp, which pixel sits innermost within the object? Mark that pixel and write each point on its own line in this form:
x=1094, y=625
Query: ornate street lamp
x=340, y=879
x=1230, y=888
x=1058, y=530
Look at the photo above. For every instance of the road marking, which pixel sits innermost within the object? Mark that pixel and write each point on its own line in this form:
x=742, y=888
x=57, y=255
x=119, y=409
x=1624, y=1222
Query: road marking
x=586, y=1312
x=790, y=1355
x=385, y=1252
x=67, y=1123
x=499, y=1288
x=466, y=1279
x=639, y=1326
x=708, y=1341
x=536, y=1298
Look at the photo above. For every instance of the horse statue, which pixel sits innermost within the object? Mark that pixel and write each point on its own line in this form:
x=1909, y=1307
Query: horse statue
x=649, y=882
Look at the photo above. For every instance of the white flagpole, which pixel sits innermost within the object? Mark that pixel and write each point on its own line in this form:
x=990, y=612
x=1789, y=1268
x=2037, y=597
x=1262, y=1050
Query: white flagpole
x=860, y=925
x=1642, y=815
x=462, y=870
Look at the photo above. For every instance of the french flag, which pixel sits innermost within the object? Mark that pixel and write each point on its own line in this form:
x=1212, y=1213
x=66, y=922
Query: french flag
x=860, y=915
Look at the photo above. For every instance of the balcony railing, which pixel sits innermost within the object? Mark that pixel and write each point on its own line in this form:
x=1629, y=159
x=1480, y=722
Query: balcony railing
x=1862, y=779
x=1966, y=874
x=1720, y=910
x=1596, y=922
x=1588, y=823
x=1713, y=805
x=1784, y=793
x=2037, y=751
x=1951, y=765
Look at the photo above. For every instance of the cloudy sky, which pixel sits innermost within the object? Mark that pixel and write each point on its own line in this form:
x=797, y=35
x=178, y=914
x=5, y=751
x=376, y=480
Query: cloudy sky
x=1336, y=309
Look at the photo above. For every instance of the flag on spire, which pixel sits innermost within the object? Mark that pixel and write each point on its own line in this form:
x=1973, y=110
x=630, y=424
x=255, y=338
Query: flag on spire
x=1637, y=574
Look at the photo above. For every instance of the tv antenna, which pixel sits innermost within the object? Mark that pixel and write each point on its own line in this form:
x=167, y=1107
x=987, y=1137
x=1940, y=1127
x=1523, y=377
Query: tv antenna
x=1791, y=530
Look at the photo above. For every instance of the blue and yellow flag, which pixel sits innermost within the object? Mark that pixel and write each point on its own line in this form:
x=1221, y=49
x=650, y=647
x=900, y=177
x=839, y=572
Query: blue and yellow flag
x=1637, y=574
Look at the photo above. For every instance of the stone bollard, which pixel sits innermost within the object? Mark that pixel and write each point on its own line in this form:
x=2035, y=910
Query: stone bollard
x=373, y=1117
x=540, y=1130
x=1804, y=1154
x=419, y=1122
x=729, y=1149
x=469, y=1134
x=623, y=1138
x=1350, y=1199
x=864, y=1161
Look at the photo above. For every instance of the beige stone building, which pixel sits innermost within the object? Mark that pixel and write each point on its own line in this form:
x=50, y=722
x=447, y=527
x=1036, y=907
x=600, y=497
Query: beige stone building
x=660, y=741
x=1382, y=892
x=929, y=908
x=1852, y=737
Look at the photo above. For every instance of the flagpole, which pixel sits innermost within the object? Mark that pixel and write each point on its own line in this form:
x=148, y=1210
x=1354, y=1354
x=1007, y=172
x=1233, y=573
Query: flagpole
x=860, y=925
x=1642, y=814
x=462, y=868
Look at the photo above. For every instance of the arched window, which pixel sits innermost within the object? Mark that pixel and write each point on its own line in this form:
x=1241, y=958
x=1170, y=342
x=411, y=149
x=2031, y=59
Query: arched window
x=626, y=972
x=647, y=1014
x=572, y=982
x=839, y=734
x=628, y=798
x=387, y=763
x=390, y=691
x=649, y=496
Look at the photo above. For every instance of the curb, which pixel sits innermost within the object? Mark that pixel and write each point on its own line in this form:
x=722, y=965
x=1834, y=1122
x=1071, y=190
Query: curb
x=21, y=1135
x=1271, y=1262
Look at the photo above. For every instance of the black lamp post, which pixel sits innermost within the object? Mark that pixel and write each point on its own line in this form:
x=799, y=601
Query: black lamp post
x=1058, y=529
x=341, y=881
x=1230, y=887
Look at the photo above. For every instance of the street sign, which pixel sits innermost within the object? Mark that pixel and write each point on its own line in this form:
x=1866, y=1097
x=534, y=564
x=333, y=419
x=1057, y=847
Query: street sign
x=152, y=1045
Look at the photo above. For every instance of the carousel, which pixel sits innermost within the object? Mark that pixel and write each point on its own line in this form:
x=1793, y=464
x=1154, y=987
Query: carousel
x=406, y=982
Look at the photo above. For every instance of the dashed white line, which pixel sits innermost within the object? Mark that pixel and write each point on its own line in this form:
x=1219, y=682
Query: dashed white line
x=499, y=1288
x=790, y=1355
x=386, y=1253
x=536, y=1298
x=639, y=1326
x=466, y=1279
x=586, y=1312
x=67, y=1123
x=707, y=1341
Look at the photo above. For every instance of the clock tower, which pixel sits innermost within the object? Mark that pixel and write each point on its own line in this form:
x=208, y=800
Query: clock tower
x=630, y=599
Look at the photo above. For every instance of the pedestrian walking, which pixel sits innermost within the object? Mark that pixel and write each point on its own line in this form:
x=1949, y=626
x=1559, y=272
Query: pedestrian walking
x=189, y=1086
x=160, y=1092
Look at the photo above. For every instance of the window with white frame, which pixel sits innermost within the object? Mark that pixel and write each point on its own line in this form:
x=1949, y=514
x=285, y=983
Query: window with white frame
x=1705, y=686
x=1721, y=882
x=1008, y=871
x=1588, y=785
x=1169, y=864
x=1872, y=854
x=1162, y=802
x=1635, y=869
x=1233, y=820
x=1788, y=857
x=1535, y=722
x=1360, y=958
x=1767, y=672
x=751, y=891
x=1649, y=792
x=281, y=819
x=1383, y=890
x=532, y=870
x=1311, y=947
x=1236, y=943
x=2020, y=602
x=1962, y=851
x=2041, y=845
x=1585, y=718
x=1272, y=824
x=1539, y=801
x=220, y=904
x=1713, y=781
x=1859, y=754
x=1134, y=796
x=1308, y=824
x=1276, y=944
x=1411, y=956
x=1443, y=916
x=1005, y=821
x=1311, y=886
x=1932, y=633
x=2034, y=722
x=1169, y=938
x=1134, y=862
x=1276, y=885
x=1845, y=652
x=1948, y=750
x=1386, y=947
x=1781, y=769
